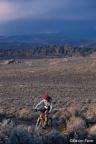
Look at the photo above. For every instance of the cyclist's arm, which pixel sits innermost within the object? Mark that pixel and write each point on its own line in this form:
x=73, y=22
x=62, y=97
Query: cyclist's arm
x=39, y=104
x=50, y=108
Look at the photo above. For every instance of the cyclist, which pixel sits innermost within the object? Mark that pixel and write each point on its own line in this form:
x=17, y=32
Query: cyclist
x=46, y=108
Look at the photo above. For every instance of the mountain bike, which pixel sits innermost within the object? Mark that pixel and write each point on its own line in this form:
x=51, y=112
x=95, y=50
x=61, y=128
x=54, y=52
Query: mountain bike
x=40, y=123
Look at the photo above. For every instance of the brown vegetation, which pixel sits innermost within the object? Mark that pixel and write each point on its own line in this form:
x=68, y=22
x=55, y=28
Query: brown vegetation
x=72, y=84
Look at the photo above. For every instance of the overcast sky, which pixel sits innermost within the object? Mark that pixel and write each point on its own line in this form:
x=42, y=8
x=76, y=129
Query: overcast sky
x=46, y=16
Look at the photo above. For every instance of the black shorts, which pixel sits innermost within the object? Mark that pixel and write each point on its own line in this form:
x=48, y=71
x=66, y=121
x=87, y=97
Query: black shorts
x=43, y=110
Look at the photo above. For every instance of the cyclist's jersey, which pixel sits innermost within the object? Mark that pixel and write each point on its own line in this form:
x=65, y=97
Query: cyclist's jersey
x=47, y=105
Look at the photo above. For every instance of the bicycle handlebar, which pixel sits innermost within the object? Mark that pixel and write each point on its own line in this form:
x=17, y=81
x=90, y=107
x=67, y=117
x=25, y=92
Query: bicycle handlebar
x=35, y=110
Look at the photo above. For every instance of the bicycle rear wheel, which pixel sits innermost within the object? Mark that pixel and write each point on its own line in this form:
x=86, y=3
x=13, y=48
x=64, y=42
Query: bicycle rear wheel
x=49, y=124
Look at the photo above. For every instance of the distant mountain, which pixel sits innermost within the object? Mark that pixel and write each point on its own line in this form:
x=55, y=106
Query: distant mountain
x=44, y=45
x=48, y=38
x=54, y=38
x=27, y=50
x=88, y=44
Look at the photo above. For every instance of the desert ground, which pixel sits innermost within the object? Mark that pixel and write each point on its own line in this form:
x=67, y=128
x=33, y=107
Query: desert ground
x=71, y=82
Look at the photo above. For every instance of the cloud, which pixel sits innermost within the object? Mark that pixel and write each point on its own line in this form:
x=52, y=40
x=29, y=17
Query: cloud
x=10, y=10
x=30, y=16
x=47, y=9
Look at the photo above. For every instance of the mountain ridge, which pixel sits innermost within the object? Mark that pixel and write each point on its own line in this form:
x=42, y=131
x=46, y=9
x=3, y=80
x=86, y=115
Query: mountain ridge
x=48, y=38
x=44, y=45
x=28, y=50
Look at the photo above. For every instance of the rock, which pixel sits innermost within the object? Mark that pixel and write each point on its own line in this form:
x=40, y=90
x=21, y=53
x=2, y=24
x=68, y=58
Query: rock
x=5, y=122
x=10, y=61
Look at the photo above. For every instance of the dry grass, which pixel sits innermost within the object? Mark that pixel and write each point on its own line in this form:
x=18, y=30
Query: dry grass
x=75, y=124
x=24, y=112
x=71, y=80
x=92, y=130
x=73, y=110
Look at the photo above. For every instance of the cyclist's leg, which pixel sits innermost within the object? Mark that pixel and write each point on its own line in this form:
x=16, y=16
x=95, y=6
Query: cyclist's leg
x=42, y=116
x=42, y=119
x=46, y=118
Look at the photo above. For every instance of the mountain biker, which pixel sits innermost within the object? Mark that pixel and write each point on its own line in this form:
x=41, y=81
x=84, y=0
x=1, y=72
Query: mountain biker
x=46, y=108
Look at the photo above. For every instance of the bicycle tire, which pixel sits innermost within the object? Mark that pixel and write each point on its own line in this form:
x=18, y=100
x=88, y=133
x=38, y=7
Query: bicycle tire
x=43, y=131
x=50, y=122
x=37, y=124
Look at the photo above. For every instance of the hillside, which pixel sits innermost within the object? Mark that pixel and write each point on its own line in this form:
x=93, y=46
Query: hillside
x=71, y=82
x=44, y=45
x=28, y=50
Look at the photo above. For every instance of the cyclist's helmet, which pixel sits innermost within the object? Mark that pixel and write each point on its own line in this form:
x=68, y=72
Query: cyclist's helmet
x=47, y=97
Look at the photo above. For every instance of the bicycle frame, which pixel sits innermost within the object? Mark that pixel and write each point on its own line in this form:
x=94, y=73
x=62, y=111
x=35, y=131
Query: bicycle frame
x=40, y=122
